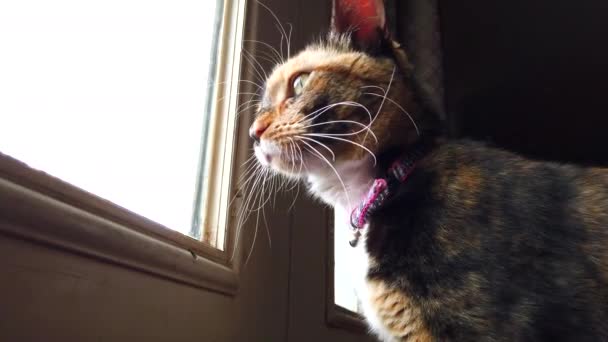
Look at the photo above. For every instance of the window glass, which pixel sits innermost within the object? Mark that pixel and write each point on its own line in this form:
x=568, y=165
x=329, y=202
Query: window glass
x=347, y=266
x=111, y=96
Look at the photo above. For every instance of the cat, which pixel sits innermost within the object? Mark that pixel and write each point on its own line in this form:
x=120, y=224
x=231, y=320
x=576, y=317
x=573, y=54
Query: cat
x=462, y=241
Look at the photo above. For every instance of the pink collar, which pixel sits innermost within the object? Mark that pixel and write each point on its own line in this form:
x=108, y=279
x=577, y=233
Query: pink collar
x=380, y=190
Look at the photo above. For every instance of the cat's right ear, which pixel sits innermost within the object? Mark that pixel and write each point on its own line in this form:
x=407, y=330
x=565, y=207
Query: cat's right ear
x=365, y=20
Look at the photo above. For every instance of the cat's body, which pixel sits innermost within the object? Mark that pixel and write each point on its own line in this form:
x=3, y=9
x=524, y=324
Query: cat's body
x=476, y=244
x=480, y=244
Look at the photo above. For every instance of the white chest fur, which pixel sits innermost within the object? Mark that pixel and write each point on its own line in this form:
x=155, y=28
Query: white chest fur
x=390, y=313
x=329, y=189
x=343, y=193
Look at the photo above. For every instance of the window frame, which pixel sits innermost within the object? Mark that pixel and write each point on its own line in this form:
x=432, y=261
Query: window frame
x=76, y=220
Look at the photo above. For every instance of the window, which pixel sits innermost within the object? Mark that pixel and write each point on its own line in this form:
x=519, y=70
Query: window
x=344, y=274
x=118, y=98
x=347, y=267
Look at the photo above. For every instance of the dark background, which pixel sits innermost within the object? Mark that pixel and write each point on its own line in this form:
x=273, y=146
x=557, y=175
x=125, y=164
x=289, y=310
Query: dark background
x=530, y=76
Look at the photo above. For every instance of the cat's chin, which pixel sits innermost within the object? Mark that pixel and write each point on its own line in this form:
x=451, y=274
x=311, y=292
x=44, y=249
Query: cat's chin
x=347, y=189
x=272, y=157
x=323, y=181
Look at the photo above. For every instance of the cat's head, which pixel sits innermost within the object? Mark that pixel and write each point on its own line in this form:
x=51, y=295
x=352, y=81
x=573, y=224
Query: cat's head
x=346, y=98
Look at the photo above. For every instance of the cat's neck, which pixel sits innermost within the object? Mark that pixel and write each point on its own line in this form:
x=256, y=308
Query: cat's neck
x=347, y=190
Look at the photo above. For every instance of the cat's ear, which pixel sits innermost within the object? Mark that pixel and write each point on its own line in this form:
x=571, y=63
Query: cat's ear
x=364, y=19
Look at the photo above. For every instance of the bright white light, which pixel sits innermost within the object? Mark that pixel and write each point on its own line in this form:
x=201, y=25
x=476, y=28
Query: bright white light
x=347, y=264
x=109, y=96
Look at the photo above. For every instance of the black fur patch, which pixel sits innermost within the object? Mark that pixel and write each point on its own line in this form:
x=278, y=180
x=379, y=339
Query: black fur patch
x=499, y=257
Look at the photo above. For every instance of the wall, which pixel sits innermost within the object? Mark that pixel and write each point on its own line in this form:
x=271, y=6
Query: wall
x=529, y=75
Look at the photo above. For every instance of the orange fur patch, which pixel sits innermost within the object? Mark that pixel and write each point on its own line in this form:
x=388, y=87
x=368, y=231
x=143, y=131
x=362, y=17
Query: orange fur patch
x=591, y=208
x=397, y=313
x=467, y=184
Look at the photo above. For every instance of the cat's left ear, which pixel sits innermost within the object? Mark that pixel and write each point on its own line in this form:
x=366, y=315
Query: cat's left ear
x=366, y=19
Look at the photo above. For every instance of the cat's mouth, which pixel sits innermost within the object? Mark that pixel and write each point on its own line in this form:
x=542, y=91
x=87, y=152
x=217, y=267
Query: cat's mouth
x=286, y=159
x=264, y=157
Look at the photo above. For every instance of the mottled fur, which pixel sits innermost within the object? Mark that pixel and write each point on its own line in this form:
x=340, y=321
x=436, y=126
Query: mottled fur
x=490, y=246
x=479, y=244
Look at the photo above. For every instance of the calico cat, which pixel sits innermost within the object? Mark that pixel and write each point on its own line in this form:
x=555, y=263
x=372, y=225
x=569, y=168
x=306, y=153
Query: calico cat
x=463, y=242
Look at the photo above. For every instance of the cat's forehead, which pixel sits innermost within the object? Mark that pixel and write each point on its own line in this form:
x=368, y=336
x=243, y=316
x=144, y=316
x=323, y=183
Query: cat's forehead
x=308, y=60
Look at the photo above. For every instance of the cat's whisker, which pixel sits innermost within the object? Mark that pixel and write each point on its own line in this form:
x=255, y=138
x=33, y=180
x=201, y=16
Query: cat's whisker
x=270, y=193
x=400, y=107
x=322, y=157
x=388, y=88
x=251, y=100
x=293, y=164
x=281, y=41
x=249, y=60
x=320, y=111
x=264, y=182
x=281, y=27
x=333, y=155
x=261, y=68
x=252, y=164
x=334, y=122
x=253, y=191
x=301, y=156
x=295, y=198
x=289, y=40
x=243, y=212
x=365, y=127
x=266, y=56
x=267, y=187
x=292, y=158
x=255, y=236
x=344, y=140
x=324, y=109
x=343, y=134
x=302, y=164
x=259, y=195
x=257, y=85
x=282, y=180
x=275, y=191
x=276, y=186
x=297, y=183
x=256, y=176
x=248, y=103
x=248, y=175
x=270, y=47
x=374, y=86
x=254, y=105
x=286, y=37
x=238, y=94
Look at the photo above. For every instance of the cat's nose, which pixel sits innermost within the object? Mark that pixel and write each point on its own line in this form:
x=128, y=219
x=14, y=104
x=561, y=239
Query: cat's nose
x=257, y=129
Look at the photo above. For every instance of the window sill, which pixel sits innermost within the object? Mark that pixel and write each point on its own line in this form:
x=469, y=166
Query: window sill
x=339, y=317
x=36, y=216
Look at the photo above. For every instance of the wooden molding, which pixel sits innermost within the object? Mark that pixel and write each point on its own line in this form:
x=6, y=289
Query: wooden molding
x=21, y=174
x=36, y=217
x=340, y=317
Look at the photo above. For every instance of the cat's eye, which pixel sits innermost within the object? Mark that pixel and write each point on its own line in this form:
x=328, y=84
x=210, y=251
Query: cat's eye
x=299, y=83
